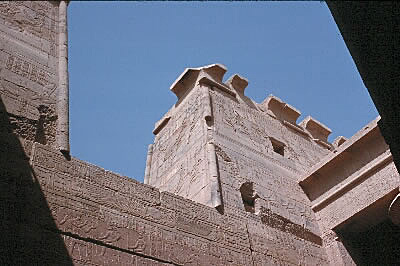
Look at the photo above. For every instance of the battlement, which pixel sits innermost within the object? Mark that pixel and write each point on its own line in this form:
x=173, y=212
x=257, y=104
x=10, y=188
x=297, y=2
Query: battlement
x=212, y=76
x=212, y=123
x=281, y=110
x=238, y=83
x=227, y=181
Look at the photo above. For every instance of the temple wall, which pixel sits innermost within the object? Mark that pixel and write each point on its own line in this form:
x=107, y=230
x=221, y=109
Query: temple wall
x=29, y=67
x=351, y=191
x=283, y=226
x=280, y=226
x=178, y=162
x=104, y=218
x=360, y=197
x=90, y=205
x=227, y=179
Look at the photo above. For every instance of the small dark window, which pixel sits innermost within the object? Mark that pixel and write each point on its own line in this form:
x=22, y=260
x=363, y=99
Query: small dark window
x=249, y=196
x=278, y=146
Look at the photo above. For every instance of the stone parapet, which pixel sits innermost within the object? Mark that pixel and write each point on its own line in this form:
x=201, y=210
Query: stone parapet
x=317, y=130
x=227, y=181
x=281, y=110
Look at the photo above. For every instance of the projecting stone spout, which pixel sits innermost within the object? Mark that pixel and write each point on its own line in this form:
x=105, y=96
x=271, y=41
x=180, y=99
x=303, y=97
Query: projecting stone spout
x=190, y=76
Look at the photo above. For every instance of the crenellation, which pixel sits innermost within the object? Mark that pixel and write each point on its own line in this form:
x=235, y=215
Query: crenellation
x=237, y=83
x=227, y=181
x=317, y=130
x=281, y=110
x=192, y=76
x=339, y=141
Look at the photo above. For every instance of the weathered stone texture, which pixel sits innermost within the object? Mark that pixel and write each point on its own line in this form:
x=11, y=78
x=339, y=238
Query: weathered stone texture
x=244, y=136
x=96, y=209
x=178, y=162
x=28, y=63
x=262, y=154
x=228, y=181
x=351, y=189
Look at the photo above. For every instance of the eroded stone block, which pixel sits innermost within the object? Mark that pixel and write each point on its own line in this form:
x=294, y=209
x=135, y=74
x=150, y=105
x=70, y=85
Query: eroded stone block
x=316, y=128
x=281, y=110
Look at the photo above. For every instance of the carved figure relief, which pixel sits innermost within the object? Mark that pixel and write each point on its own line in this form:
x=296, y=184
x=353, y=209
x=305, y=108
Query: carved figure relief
x=23, y=19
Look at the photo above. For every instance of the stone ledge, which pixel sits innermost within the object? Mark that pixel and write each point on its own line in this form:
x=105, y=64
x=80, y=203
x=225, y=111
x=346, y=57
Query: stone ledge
x=339, y=152
x=238, y=83
x=316, y=128
x=188, y=78
x=339, y=141
x=281, y=110
x=352, y=180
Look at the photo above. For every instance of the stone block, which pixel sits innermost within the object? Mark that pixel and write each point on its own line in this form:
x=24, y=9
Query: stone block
x=213, y=142
x=190, y=76
x=238, y=83
x=316, y=128
x=280, y=109
x=339, y=141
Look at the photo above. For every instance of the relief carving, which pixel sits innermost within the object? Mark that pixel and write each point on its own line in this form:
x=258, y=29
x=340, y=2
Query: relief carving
x=25, y=20
x=20, y=66
x=79, y=224
x=108, y=219
x=88, y=253
x=119, y=218
x=136, y=241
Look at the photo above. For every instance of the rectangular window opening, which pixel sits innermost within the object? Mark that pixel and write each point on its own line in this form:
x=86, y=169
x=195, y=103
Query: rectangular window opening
x=278, y=146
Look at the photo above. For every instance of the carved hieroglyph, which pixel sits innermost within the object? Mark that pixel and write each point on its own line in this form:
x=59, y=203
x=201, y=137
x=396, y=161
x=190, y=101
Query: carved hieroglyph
x=212, y=118
x=237, y=141
x=34, y=70
x=221, y=181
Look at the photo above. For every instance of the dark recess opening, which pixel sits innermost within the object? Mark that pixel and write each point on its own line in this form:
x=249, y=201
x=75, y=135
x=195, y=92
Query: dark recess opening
x=249, y=196
x=370, y=237
x=376, y=246
x=278, y=146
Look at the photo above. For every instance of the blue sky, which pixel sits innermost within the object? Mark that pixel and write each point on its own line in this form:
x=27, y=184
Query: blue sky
x=123, y=57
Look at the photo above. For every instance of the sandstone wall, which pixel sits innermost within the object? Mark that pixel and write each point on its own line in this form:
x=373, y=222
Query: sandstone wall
x=89, y=216
x=351, y=191
x=29, y=68
x=222, y=175
x=257, y=184
x=120, y=215
x=178, y=163
x=28, y=114
x=281, y=224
